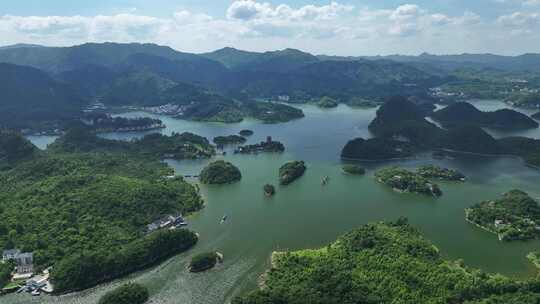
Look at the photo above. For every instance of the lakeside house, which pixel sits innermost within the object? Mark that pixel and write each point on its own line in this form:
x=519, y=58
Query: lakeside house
x=24, y=261
x=167, y=222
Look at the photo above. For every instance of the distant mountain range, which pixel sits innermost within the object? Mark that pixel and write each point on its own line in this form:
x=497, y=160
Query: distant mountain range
x=149, y=74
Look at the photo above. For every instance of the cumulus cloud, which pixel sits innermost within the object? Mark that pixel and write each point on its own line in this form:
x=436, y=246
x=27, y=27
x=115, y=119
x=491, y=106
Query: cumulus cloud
x=256, y=24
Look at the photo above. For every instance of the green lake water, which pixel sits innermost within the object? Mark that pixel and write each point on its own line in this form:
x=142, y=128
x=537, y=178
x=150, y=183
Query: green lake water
x=308, y=215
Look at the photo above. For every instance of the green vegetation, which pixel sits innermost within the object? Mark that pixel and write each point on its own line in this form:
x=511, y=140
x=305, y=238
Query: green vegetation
x=527, y=148
x=86, y=213
x=131, y=293
x=89, y=268
x=270, y=112
x=353, y=169
x=432, y=171
x=246, y=133
x=534, y=257
x=269, y=190
x=515, y=216
x=376, y=149
x=220, y=172
x=154, y=146
x=266, y=146
x=464, y=113
x=203, y=261
x=383, y=263
x=14, y=148
x=5, y=272
x=291, y=171
x=327, y=102
x=403, y=180
x=32, y=101
x=229, y=140
x=102, y=123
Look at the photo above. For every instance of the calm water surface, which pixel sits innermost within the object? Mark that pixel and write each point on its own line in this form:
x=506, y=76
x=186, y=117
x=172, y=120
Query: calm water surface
x=305, y=214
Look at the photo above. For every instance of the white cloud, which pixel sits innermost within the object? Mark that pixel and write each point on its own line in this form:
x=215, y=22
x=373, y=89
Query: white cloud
x=258, y=25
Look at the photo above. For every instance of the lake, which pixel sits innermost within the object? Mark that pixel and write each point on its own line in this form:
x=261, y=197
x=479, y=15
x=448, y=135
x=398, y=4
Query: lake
x=308, y=215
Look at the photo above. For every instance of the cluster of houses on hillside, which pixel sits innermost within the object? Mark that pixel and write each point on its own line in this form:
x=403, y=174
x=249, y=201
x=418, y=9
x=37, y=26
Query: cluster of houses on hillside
x=167, y=222
x=24, y=262
x=23, y=275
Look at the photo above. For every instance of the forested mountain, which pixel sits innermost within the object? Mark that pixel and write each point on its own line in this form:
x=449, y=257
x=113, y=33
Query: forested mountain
x=461, y=113
x=275, y=61
x=60, y=59
x=383, y=263
x=30, y=97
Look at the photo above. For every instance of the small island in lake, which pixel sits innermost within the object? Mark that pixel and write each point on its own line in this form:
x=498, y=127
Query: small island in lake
x=403, y=180
x=291, y=171
x=229, y=140
x=204, y=261
x=266, y=146
x=131, y=293
x=269, y=190
x=327, y=102
x=246, y=133
x=515, y=216
x=353, y=169
x=220, y=172
x=431, y=171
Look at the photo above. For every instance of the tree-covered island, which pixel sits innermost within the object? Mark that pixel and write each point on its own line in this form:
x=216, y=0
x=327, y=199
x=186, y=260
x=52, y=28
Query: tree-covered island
x=269, y=145
x=269, y=190
x=383, y=263
x=435, y=172
x=229, y=140
x=353, y=169
x=203, y=261
x=220, y=172
x=131, y=293
x=403, y=180
x=327, y=102
x=514, y=216
x=291, y=171
x=246, y=132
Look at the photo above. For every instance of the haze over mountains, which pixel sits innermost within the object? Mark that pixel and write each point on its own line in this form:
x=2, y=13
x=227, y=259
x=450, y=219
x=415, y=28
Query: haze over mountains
x=149, y=74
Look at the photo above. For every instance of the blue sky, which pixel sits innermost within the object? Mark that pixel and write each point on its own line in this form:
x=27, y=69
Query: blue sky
x=344, y=27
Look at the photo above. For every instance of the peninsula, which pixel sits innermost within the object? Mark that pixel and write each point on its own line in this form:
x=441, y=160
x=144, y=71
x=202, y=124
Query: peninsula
x=514, y=216
x=435, y=172
x=382, y=263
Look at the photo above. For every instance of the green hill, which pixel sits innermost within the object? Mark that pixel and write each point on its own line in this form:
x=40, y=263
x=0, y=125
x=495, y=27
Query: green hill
x=462, y=113
x=382, y=263
x=32, y=99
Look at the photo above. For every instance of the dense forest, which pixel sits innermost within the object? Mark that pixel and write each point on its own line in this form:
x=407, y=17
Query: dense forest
x=514, y=216
x=88, y=268
x=131, y=293
x=220, y=172
x=383, y=263
x=63, y=204
x=403, y=180
x=402, y=131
